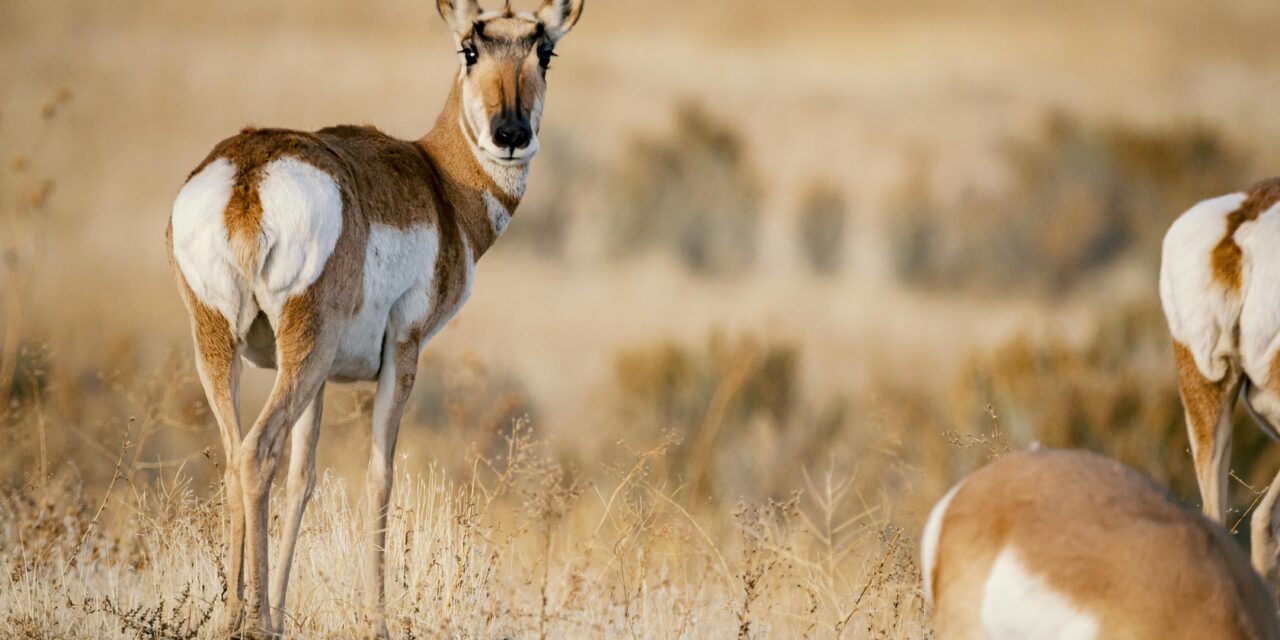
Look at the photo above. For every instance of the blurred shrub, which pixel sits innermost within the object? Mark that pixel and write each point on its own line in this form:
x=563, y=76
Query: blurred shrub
x=733, y=408
x=1116, y=393
x=29, y=377
x=542, y=222
x=821, y=227
x=1080, y=198
x=693, y=192
x=672, y=386
x=471, y=400
x=25, y=191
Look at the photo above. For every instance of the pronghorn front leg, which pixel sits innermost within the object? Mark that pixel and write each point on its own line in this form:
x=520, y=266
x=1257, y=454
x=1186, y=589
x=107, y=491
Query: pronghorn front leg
x=301, y=481
x=1208, y=406
x=395, y=382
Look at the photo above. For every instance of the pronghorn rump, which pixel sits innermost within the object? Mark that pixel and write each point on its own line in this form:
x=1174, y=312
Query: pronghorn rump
x=1070, y=544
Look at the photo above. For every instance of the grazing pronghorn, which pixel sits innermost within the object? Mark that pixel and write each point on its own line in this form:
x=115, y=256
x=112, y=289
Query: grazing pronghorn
x=336, y=255
x=1220, y=288
x=1073, y=545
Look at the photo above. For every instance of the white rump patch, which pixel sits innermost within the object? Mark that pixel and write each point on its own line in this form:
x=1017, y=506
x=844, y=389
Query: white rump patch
x=301, y=222
x=200, y=244
x=1201, y=312
x=1019, y=606
x=929, y=540
x=1259, y=319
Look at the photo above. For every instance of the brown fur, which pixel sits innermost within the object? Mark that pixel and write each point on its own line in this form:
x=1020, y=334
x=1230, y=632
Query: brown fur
x=1228, y=257
x=1107, y=539
x=1273, y=374
x=243, y=220
x=463, y=180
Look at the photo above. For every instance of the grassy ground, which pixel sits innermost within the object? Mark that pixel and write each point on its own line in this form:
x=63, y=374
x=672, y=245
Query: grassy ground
x=705, y=449
x=519, y=549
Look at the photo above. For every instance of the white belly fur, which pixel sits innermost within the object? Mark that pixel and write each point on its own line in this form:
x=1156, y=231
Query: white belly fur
x=398, y=267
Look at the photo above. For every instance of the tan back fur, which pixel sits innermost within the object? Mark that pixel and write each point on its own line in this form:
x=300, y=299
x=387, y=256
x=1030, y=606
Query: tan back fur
x=1107, y=539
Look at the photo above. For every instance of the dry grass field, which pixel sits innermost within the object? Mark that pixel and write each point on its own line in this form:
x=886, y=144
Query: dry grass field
x=782, y=275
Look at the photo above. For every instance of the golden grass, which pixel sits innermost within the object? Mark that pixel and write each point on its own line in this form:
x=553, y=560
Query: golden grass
x=520, y=549
x=704, y=456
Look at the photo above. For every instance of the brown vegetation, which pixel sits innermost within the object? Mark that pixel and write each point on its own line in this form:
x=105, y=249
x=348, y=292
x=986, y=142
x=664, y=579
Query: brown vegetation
x=694, y=192
x=1081, y=197
x=607, y=441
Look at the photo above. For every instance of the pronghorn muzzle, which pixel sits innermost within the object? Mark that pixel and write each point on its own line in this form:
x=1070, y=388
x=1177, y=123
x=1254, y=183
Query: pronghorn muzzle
x=511, y=130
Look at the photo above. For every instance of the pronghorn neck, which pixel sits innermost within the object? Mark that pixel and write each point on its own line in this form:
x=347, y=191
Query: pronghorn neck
x=484, y=193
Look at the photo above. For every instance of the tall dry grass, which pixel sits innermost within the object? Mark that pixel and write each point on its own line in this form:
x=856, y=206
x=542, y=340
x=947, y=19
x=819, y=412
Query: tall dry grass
x=611, y=442
x=521, y=547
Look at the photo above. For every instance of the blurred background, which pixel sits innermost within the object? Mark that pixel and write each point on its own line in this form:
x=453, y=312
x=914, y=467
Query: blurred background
x=889, y=238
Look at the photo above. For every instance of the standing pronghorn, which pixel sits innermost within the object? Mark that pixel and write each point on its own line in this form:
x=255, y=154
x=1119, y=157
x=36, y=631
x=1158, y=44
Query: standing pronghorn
x=1220, y=287
x=336, y=255
x=1072, y=545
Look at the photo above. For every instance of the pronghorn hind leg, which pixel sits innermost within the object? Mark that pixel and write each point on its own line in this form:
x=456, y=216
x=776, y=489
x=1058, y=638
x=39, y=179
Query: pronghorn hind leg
x=1265, y=521
x=1208, y=405
x=1262, y=535
x=218, y=364
x=305, y=347
x=300, y=482
x=395, y=382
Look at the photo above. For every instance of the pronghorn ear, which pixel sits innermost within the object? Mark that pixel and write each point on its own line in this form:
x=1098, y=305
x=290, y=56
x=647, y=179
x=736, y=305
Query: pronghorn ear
x=559, y=16
x=459, y=14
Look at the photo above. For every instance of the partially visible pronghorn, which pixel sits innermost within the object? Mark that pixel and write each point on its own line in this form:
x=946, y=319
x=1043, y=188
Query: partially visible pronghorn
x=1072, y=545
x=336, y=255
x=1220, y=287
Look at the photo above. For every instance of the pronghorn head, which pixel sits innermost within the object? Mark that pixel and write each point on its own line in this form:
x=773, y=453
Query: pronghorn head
x=505, y=56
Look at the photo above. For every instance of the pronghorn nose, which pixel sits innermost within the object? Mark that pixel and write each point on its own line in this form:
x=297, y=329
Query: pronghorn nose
x=511, y=132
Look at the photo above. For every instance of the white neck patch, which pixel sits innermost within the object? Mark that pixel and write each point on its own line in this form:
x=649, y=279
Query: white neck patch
x=499, y=217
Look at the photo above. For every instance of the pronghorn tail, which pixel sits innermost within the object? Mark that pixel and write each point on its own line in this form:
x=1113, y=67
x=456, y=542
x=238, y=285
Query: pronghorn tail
x=243, y=221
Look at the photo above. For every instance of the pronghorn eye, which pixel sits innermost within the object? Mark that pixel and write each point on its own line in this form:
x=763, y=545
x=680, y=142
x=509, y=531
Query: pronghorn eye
x=470, y=54
x=544, y=56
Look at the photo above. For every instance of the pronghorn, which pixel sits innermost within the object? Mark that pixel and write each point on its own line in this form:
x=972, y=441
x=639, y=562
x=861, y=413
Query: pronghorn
x=1073, y=545
x=1220, y=289
x=336, y=255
